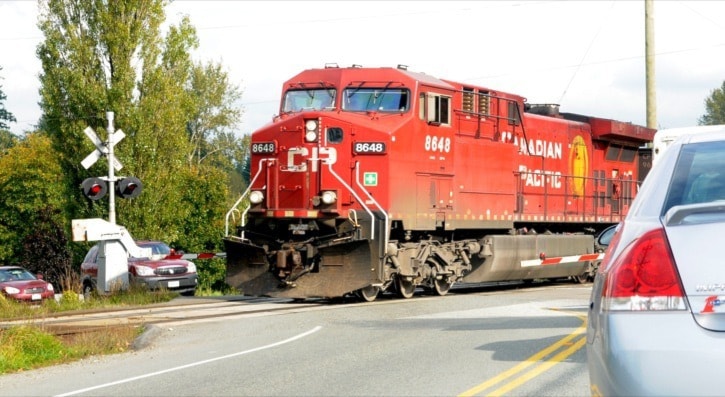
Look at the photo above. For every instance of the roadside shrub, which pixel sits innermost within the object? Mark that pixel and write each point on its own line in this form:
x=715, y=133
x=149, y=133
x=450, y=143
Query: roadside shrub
x=212, y=276
x=45, y=248
x=26, y=347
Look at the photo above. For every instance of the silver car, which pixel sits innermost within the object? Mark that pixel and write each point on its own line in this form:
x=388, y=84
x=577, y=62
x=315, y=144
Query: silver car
x=656, y=321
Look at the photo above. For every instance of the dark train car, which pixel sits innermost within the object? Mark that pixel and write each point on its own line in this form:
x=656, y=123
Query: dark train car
x=374, y=179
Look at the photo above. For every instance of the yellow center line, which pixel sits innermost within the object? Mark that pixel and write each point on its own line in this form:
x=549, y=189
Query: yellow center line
x=535, y=359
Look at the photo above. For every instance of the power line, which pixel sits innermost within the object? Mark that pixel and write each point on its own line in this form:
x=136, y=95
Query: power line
x=586, y=52
x=591, y=63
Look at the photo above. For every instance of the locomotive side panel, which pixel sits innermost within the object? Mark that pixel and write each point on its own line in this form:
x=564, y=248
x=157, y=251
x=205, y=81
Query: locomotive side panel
x=554, y=170
x=486, y=184
x=422, y=194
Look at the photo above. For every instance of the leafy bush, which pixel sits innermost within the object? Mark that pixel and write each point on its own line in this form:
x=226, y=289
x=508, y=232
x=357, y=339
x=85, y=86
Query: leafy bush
x=45, y=248
x=26, y=347
x=212, y=277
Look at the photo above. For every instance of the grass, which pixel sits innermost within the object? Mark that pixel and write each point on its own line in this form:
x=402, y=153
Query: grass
x=31, y=346
x=28, y=346
x=71, y=300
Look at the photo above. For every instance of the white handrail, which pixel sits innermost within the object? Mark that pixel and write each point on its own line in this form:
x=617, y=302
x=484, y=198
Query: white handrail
x=362, y=203
x=234, y=207
x=387, y=228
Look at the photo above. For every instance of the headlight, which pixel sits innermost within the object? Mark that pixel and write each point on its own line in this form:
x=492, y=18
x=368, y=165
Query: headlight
x=329, y=197
x=311, y=130
x=190, y=267
x=256, y=197
x=11, y=290
x=50, y=287
x=143, y=270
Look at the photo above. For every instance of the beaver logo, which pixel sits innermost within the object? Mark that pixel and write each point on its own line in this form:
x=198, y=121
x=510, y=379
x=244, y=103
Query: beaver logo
x=578, y=165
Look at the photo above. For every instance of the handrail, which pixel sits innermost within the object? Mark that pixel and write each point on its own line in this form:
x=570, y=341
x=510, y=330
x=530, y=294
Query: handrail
x=387, y=228
x=362, y=203
x=625, y=197
x=239, y=201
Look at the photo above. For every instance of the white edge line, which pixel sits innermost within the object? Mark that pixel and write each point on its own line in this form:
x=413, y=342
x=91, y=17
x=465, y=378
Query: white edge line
x=256, y=349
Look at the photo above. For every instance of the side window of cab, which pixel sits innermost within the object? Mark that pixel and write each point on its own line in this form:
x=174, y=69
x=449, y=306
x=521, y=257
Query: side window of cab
x=435, y=109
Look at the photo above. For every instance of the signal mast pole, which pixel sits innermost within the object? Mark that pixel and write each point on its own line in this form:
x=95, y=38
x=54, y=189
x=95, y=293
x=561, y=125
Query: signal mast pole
x=649, y=45
x=111, y=174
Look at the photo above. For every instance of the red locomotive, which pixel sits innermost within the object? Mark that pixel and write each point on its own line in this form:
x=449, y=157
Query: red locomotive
x=373, y=179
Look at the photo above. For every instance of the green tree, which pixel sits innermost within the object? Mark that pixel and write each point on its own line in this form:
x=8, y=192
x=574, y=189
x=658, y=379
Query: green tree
x=215, y=149
x=32, y=199
x=7, y=141
x=178, y=116
x=5, y=116
x=45, y=247
x=86, y=71
x=213, y=117
x=714, y=107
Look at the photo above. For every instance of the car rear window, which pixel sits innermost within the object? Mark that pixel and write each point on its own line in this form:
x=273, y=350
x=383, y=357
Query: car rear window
x=699, y=175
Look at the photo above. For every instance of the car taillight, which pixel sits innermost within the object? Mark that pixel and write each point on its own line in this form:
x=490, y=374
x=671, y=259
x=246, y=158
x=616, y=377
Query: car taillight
x=643, y=277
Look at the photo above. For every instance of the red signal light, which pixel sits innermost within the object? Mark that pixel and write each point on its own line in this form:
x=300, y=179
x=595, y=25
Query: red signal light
x=129, y=187
x=94, y=188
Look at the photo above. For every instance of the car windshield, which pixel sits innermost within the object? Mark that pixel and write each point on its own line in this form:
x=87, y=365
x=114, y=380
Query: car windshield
x=312, y=99
x=375, y=100
x=15, y=275
x=157, y=248
x=699, y=175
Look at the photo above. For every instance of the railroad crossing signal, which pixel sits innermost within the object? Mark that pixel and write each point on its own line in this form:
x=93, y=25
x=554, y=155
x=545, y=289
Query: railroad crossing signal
x=95, y=188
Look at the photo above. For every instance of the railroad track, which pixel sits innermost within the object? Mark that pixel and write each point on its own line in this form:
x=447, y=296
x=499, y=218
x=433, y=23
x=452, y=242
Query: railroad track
x=185, y=310
x=176, y=311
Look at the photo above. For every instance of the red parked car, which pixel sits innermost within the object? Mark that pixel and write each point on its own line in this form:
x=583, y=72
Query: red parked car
x=18, y=283
x=164, y=269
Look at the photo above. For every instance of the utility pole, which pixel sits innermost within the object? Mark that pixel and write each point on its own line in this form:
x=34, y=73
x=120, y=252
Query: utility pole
x=649, y=45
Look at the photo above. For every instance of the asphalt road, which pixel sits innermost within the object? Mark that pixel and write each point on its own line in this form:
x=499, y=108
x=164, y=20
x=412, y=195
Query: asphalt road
x=510, y=341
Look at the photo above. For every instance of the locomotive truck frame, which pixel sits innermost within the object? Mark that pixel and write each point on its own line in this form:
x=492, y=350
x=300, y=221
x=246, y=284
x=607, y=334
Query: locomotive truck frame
x=375, y=179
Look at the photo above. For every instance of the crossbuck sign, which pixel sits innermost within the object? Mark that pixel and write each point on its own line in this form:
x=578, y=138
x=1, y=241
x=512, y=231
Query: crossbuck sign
x=103, y=149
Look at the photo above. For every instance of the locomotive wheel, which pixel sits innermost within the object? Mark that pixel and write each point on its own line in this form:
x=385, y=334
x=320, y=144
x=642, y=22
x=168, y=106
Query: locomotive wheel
x=406, y=288
x=442, y=286
x=368, y=294
x=583, y=279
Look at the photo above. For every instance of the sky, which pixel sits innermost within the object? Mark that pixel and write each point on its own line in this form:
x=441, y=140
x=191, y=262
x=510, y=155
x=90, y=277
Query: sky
x=586, y=56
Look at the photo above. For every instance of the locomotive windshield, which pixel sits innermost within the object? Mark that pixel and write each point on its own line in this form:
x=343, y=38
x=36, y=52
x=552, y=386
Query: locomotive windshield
x=375, y=100
x=313, y=99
